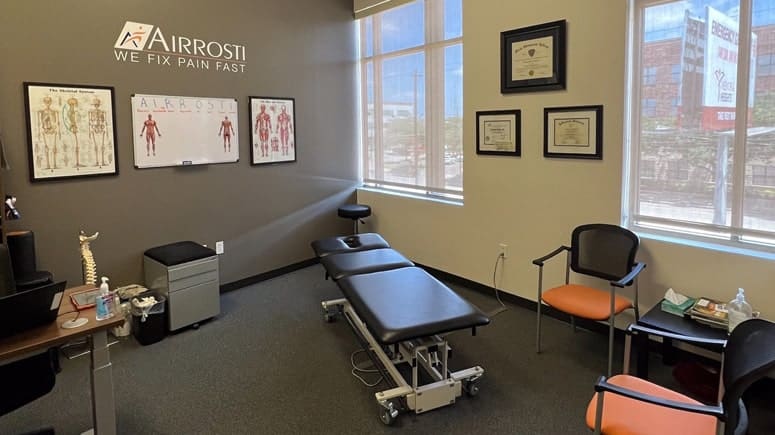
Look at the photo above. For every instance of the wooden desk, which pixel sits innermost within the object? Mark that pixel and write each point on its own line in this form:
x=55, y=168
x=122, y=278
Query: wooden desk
x=43, y=337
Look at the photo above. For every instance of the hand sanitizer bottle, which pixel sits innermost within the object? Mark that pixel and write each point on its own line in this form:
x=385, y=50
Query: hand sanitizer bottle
x=103, y=301
x=738, y=310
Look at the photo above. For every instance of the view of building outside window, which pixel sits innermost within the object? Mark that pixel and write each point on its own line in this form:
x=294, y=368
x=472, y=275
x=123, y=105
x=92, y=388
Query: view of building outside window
x=686, y=143
x=412, y=96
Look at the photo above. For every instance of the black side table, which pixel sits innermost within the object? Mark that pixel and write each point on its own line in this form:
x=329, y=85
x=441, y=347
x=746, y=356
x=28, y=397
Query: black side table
x=655, y=318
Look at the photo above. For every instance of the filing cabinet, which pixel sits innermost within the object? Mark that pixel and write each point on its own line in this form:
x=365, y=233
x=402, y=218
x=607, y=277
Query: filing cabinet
x=186, y=273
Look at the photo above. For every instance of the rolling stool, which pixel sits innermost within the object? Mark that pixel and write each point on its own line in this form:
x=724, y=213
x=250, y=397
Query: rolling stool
x=21, y=249
x=356, y=212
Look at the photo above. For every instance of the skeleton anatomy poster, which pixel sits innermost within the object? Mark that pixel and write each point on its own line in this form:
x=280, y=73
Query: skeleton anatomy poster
x=71, y=130
x=174, y=131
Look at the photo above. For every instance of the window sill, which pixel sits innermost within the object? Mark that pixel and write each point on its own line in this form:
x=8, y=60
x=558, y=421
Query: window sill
x=650, y=234
x=424, y=197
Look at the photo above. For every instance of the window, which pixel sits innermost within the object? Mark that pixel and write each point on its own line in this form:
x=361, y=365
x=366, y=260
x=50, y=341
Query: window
x=763, y=175
x=702, y=170
x=649, y=107
x=675, y=74
x=412, y=97
x=650, y=75
x=765, y=65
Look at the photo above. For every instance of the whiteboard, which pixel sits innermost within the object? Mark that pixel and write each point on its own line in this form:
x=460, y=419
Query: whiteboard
x=176, y=131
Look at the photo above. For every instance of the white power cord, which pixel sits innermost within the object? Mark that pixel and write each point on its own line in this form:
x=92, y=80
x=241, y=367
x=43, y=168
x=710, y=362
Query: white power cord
x=356, y=370
x=503, y=307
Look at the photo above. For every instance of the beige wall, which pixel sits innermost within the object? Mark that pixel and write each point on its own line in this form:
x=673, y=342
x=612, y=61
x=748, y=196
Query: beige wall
x=532, y=203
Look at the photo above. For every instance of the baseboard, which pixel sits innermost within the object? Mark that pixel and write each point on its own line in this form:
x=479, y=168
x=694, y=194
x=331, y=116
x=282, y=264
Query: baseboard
x=255, y=279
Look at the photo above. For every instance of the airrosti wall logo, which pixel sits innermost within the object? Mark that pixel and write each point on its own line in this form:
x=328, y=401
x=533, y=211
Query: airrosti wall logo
x=146, y=43
x=133, y=36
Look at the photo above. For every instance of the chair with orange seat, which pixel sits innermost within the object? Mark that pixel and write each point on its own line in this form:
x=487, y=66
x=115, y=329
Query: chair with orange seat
x=602, y=251
x=625, y=404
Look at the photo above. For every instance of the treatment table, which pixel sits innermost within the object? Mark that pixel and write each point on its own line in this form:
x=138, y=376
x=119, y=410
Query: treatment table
x=399, y=314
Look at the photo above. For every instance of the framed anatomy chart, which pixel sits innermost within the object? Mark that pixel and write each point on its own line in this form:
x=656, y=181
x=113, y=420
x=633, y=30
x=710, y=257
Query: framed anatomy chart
x=273, y=130
x=71, y=130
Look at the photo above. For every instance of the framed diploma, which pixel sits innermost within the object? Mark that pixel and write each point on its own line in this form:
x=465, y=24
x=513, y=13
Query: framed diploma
x=573, y=132
x=498, y=133
x=533, y=58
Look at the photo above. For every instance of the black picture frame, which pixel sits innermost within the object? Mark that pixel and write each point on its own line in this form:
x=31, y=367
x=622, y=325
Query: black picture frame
x=276, y=144
x=499, y=133
x=573, y=132
x=71, y=130
x=533, y=58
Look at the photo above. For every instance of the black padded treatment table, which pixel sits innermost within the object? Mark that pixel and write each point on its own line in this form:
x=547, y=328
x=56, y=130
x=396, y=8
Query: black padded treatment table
x=339, y=266
x=353, y=243
x=402, y=309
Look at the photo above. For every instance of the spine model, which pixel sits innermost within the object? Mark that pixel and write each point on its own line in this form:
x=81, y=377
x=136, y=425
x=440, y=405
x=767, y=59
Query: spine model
x=89, y=266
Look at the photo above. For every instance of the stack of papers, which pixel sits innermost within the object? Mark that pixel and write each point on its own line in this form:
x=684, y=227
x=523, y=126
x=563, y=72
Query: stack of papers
x=710, y=312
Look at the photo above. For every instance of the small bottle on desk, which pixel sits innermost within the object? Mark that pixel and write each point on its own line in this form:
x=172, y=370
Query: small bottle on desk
x=104, y=301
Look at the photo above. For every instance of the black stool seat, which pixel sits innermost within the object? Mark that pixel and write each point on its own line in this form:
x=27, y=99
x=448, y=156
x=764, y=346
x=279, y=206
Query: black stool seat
x=354, y=211
x=33, y=279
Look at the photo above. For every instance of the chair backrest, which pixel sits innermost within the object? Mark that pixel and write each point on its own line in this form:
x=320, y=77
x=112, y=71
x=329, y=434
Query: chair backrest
x=603, y=250
x=749, y=356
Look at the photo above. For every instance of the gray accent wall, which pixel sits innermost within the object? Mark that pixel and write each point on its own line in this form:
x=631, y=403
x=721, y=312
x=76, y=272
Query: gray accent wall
x=266, y=215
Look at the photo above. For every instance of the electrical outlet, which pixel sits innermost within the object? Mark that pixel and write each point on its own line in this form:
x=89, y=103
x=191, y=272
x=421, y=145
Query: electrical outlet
x=219, y=247
x=503, y=250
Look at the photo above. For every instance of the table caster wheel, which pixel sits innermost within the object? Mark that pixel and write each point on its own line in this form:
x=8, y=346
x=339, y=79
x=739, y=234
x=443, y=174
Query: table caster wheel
x=328, y=317
x=388, y=413
x=471, y=388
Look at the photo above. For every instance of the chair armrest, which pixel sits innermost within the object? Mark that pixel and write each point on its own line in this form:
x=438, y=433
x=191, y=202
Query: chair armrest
x=603, y=386
x=627, y=280
x=540, y=261
x=687, y=338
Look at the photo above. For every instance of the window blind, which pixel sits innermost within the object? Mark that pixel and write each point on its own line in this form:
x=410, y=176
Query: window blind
x=364, y=8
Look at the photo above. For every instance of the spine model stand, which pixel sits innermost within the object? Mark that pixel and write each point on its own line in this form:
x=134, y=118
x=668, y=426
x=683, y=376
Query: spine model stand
x=89, y=266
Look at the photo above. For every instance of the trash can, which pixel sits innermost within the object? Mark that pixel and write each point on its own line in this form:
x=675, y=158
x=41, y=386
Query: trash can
x=124, y=309
x=149, y=323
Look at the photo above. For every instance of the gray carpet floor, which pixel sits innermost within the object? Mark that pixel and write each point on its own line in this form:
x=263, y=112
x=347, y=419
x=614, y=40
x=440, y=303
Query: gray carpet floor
x=269, y=364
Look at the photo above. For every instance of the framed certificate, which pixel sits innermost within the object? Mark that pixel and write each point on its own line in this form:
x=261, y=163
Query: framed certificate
x=573, y=132
x=533, y=58
x=498, y=132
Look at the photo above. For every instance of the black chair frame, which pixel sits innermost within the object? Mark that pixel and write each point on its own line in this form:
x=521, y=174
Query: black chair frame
x=741, y=367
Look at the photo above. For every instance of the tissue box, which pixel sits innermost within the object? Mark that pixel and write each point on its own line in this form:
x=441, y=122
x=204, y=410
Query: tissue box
x=678, y=310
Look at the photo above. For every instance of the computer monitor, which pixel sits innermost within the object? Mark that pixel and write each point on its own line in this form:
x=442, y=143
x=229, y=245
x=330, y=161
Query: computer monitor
x=24, y=310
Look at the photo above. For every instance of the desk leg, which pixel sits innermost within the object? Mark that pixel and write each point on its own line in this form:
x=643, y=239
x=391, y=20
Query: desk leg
x=642, y=345
x=103, y=402
x=669, y=356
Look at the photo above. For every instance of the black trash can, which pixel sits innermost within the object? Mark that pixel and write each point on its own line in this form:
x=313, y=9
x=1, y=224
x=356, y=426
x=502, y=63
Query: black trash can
x=149, y=324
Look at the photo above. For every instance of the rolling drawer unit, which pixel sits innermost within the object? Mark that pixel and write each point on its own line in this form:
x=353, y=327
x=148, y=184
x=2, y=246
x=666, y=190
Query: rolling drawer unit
x=186, y=273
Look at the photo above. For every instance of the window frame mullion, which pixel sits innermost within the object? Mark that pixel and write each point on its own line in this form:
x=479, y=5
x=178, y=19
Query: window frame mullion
x=741, y=114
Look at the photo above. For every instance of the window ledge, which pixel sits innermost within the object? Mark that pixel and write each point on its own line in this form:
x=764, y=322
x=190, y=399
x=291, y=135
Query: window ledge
x=425, y=197
x=705, y=244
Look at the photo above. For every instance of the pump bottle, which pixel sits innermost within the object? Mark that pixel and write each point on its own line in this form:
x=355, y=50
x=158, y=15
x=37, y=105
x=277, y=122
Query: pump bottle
x=104, y=301
x=738, y=310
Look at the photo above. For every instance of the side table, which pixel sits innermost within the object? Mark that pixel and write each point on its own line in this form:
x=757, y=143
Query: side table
x=655, y=318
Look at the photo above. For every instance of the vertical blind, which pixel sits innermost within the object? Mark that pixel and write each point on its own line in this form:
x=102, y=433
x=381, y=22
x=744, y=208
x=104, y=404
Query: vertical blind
x=364, y=8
